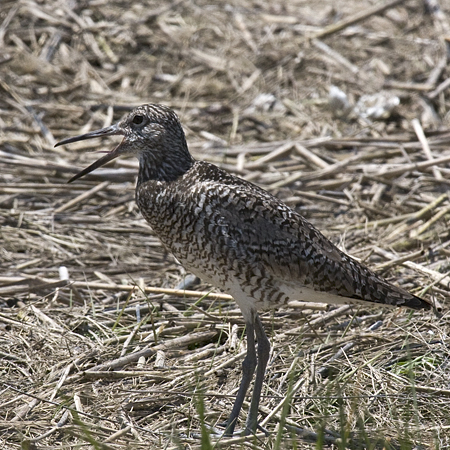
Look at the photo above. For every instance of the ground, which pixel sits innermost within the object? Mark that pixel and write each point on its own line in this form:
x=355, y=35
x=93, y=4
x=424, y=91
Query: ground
x=339, y=108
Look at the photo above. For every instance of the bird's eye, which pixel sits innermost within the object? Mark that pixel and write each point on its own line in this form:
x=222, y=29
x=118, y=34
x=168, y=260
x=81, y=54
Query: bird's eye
x=138, y=119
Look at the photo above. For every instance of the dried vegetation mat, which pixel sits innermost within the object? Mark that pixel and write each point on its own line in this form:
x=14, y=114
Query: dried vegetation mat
x=340, y=108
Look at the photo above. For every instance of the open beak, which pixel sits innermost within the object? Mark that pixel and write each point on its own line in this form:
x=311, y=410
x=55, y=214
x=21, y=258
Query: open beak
x=108, y=131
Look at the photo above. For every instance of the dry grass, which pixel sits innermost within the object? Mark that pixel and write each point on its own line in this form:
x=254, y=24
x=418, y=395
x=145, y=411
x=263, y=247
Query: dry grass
x=377, y=187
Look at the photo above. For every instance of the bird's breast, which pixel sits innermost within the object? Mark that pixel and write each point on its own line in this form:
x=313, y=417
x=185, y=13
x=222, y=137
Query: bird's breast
x=193, y=225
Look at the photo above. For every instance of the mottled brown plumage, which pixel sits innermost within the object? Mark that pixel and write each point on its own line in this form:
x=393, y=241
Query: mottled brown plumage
x=236, y=236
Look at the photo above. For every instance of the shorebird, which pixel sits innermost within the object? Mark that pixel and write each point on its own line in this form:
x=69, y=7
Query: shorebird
x=237, y=237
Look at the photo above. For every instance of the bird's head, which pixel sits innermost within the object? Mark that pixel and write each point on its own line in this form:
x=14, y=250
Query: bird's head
x=153, y=134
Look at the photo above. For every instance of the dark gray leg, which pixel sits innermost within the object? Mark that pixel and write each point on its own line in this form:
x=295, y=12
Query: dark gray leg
x=248, y=369
x=263, y=358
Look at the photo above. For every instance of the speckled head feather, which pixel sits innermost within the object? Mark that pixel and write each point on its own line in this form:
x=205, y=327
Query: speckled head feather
x=153, y=134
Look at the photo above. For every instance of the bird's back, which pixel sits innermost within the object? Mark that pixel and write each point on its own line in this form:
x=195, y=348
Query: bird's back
x=245, y=241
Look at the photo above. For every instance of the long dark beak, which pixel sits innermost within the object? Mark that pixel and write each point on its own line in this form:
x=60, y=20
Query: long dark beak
x=109, y=131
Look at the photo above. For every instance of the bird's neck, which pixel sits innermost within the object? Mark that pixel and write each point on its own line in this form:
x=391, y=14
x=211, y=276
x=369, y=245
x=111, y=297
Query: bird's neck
x=164, y=166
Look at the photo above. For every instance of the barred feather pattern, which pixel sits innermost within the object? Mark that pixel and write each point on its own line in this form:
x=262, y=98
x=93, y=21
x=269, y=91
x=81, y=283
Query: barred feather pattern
x=240, y=238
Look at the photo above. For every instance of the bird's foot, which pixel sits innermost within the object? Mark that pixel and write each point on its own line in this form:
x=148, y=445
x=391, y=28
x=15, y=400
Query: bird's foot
x=247, y=431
